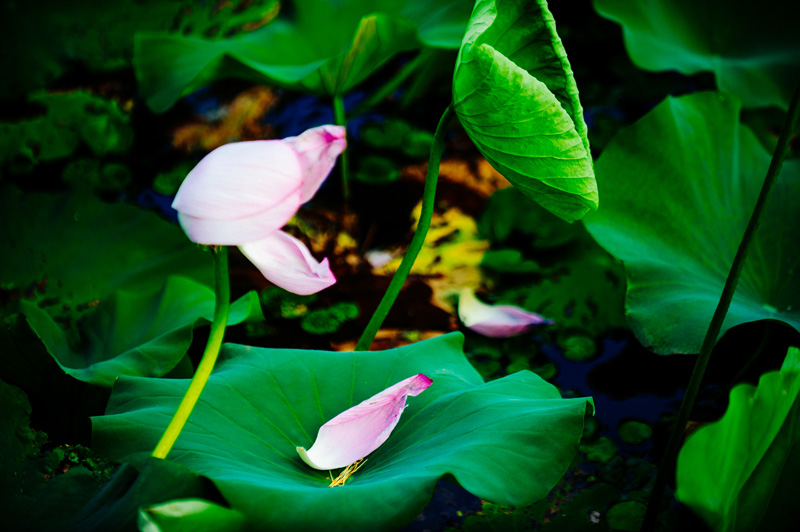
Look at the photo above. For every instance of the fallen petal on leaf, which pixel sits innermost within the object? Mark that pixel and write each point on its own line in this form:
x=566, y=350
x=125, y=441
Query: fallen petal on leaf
x=360, y=430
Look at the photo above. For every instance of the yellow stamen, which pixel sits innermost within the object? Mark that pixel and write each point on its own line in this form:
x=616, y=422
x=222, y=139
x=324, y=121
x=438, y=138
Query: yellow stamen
x=346, y=473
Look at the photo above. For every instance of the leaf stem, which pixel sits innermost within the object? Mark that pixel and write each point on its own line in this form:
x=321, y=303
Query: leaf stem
x=390, y=86
x=340, y=118
x=221, y=310
x=426, y=214
x=667, y=466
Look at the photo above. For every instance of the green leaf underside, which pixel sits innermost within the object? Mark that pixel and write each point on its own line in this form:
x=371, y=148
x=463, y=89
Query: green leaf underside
x=754, y=51
x=680, y=186
x=740, y=473
x=131, y=333
x=508, y=441
x=514, y=94
x=329, y=47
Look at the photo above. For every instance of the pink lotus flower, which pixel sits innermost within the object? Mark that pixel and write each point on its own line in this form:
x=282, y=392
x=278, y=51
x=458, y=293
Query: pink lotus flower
x=498, y=321
x=242, y=193
x=358, y=431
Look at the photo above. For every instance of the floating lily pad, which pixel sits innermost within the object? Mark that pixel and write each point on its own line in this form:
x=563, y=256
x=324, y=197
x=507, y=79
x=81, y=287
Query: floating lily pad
x=515, y=96
x=741, y=472
x=753, y=49
x=508, y=441
x=680, y=186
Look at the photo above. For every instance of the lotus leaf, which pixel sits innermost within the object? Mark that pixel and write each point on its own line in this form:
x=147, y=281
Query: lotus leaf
x=142, y=334
x=754, y=50
x=680, y=186
x=740, y=473
x=514, y=93
x=326, y=46
x=508, y=440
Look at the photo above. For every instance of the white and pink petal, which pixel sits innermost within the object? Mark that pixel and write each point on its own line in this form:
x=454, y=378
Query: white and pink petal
x=239, y=180
x=317, y=149
x=498, y=321
x=286, y=262
x=360, y=430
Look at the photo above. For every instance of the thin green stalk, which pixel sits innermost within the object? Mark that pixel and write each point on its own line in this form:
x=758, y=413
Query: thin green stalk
x=221, y=309
x=667, y=466
x=426, y=214
x=389, y=87
x=340, y=118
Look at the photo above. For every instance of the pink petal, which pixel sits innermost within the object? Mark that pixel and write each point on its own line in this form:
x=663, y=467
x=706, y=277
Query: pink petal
x=499, y=321
x=317, y=149
x=358, y=431
x=240, y=180
x=287, y=262
x=239, y=231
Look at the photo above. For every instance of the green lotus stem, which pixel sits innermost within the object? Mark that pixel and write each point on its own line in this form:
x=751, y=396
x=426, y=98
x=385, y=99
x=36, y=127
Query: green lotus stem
x=340, y=118
x=425, y=216
x=667, y=465
x=389, y=87
x=221, y=310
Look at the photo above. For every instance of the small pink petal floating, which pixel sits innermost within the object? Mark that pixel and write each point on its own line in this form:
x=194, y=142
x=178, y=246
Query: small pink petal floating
x=286, y=262
x=498, y=321
x=358, y=431
x=242, y=193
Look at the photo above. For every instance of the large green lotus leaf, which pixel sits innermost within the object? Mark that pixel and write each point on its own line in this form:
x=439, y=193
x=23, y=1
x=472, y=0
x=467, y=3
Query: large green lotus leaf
x=741, y=472
x=75, y=249
x=326, y=46
x=753, y=49
x=679, y=189
x=514, y=93
x=133, y=333
x=508, y=440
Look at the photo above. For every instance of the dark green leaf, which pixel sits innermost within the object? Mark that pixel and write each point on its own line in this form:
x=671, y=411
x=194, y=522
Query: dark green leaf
x=514, y=94
x=75, y=250
x=327, y=46
x=133, y=333
x=680, y=186
x=753, y=49
x=508, y=441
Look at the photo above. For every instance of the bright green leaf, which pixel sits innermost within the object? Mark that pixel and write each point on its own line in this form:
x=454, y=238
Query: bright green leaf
x=133, y=333
x=740, y=473
x=327, y=47
x=680, y=186
x=508, y=441
x=514, y=93
x=753, y=49
x=189, y=515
